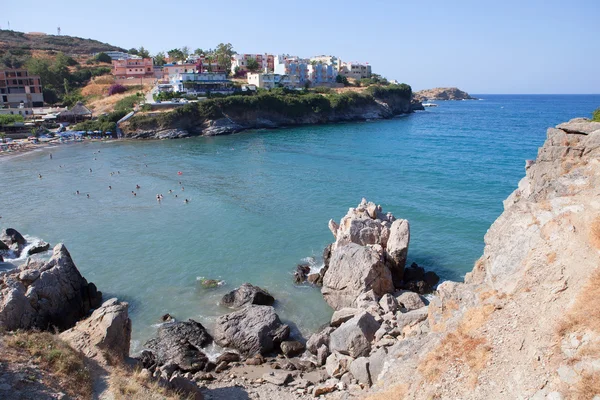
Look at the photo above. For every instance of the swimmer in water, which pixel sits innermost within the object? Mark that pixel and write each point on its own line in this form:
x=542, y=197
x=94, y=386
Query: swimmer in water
x=109, y=187
x=134, y=194
x=157, y=197
x=182, y=188
x=186, y=201
x=180, y=182
x=51, y=156
x=137, y=186
x=40, y=176
x=77, y=192
x=175, y=195
x=170, y=191
x=88, y=195
x=90, y=170
x=118, y=172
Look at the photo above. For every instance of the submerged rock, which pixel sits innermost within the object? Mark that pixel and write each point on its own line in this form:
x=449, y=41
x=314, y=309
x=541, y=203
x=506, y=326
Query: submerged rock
x=247, y=294
x=51, y=294
x=180, y=344
x=250, y=330
x=39, y=247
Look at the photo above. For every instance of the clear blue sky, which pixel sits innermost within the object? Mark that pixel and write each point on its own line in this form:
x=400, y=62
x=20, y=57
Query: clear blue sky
x=504, y=46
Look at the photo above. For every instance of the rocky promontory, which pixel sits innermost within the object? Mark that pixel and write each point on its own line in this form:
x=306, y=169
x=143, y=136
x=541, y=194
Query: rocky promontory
x=221, y=116
x=450, y=93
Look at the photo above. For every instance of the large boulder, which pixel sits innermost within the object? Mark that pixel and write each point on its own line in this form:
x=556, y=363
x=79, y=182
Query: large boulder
x=247, y=294
x=397, y=249
x=354, y=337
x=46, y=295
x=106, y=331
x=253, y=329
x=38, y=247
x=319, y=339
x=11, y=236
x=353, y=270
x=180, y=344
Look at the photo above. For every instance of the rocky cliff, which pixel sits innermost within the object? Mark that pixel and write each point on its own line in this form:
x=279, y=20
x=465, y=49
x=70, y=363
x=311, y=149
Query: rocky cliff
x=238, y=113
x=526, y=321
x=451, y=93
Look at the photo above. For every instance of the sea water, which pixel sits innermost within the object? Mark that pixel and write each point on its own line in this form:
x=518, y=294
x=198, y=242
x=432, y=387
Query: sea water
x=260, y=201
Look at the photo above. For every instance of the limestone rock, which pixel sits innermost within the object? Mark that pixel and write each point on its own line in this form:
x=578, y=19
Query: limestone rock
x=354, y=336
x=107, y=330
x=388, y=303
x=186, y=386
x=410, y=301
x=228, y=357
x=376, y=363
x=343, y=315
x=579, y=125
x=247, y=294
x=58, y=297
x=359, y=369
x=397, y=249
x=353, y=270
x=291, y=348
x=337, y=364
x=180, y=344
x=411, y=317
x=278, y=378
x=322, y=354
x=252, y=329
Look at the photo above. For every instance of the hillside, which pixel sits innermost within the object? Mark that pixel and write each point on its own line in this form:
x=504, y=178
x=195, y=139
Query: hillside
x=450, y=93
x=19, y=41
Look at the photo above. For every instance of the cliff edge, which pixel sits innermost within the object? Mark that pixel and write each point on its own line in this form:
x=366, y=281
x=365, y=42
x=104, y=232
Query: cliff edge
x=526, y=321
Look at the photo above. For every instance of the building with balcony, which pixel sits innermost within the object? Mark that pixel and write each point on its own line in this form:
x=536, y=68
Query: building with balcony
x=288, y=65
x=327, y=60
x=169, y=70
x=355, y=70
x=194, y=83
x=270, y=80
x=320, y=74
x=266, y=62
x=133, y=68
x=19, y=89
x=119, y=55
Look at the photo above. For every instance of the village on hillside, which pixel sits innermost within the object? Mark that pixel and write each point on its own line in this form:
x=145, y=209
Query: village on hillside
x=54, y=92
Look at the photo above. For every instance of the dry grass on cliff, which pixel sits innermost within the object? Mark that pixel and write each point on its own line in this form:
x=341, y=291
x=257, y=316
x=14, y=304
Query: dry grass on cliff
x=585, y=313
x=394, y=393
x=588, y=387
x=55, y=357
x=464, y=349
x=131, y=385
x=595, y=233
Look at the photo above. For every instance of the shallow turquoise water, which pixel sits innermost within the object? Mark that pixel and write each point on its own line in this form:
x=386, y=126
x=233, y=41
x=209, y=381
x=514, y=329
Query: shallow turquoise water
x=260, y=201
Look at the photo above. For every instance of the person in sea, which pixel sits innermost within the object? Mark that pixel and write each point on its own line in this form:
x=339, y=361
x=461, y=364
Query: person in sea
x=186, y=201
x=51, y=156
x=77, y=192
x=88, y=195
x=137, y=186
x=40, y=176
x=109, y=187
x=90, y=170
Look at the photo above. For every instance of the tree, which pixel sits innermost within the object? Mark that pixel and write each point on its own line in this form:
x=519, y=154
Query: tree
x=224, y=52
x=175, y=55
x=342, y=79
x=50, y=95
x=142, y=52
x=209, y=60
x=185, y=51
x=103, y=57
x=252, y=65
x=198, y=52
x=159, y=59
x=133, y=51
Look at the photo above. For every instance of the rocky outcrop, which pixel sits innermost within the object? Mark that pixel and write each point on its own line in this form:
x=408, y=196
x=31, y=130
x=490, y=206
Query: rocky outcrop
x=104, y=334
x=11, y=236
x=247, y=294
x=450, y=93
x=369, y=254
x=46, y=295
x=250, y=330
x=354, y=270
x=179, y=344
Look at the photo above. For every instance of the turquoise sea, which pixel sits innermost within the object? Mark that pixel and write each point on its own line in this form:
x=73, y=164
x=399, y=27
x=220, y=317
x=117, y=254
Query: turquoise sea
x=260, y=201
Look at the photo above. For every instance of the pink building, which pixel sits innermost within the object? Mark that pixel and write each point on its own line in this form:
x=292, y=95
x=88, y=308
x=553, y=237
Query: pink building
x=133, y=68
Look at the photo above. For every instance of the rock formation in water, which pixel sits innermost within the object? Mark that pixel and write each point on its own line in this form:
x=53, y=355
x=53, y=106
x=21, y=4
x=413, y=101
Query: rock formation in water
x=46, y=295
x=450, y=93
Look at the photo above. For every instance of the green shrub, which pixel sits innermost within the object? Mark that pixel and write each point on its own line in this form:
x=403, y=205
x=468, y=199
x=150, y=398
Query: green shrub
x=596, y=115
x=7, y=119
x=127, y=103
x=103, y=57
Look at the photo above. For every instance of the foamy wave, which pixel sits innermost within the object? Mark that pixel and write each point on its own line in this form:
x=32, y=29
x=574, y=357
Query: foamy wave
x=11, y=257
x=314, y=264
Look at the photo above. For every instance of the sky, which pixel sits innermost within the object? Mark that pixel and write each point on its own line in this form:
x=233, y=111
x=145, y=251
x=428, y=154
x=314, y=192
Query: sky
x=501, y=46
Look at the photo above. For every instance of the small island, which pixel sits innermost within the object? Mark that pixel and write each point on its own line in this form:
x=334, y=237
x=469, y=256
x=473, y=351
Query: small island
x=450, y=93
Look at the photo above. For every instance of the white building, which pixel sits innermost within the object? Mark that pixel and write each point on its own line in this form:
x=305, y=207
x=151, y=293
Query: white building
x=199, y=83
x=119, y=55
x=355, y=70
x=270, y=81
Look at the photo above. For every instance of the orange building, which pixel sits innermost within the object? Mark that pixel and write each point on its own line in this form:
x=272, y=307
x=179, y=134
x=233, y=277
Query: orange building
x=133, y=68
